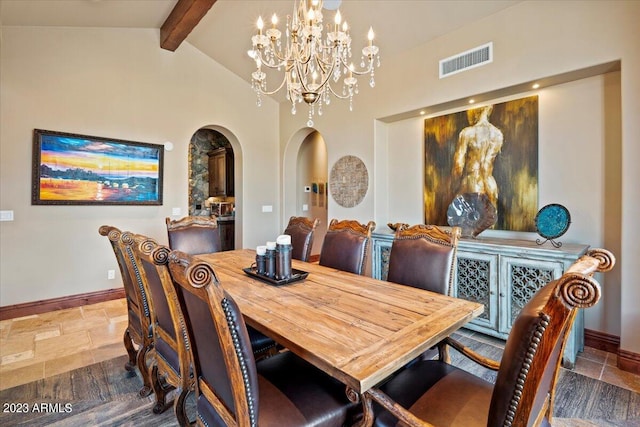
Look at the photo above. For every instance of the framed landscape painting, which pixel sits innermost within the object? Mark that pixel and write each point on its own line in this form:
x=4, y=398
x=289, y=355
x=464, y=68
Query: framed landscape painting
x=71, y=169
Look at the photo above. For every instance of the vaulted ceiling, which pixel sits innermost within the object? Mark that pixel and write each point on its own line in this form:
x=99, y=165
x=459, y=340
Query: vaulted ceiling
x=224, y=33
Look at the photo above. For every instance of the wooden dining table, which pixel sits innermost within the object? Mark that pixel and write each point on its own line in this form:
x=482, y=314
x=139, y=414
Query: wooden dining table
x=357, y=329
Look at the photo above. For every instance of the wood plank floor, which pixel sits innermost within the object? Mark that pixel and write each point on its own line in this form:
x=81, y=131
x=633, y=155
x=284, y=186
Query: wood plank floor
x=76, y=357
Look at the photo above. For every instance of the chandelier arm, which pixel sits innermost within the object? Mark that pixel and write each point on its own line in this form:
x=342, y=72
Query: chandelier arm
x=299, y=72
x=327, y=79
x=362, y=72
x=264, y=62
x=337, y=95
x=266, y=92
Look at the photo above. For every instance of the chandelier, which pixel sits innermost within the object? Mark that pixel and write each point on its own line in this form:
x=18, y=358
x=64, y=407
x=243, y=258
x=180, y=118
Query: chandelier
x=311, y=63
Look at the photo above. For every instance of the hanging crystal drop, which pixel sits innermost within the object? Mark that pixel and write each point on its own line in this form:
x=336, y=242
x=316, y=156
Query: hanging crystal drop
x=293, y=108
x=310, y=121
x=372, y=82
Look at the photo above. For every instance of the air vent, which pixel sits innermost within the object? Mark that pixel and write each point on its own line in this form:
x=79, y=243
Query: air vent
x=466, y=60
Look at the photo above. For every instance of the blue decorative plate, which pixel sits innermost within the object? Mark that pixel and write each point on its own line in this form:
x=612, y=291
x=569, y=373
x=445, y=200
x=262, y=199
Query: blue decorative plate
x=552, y=221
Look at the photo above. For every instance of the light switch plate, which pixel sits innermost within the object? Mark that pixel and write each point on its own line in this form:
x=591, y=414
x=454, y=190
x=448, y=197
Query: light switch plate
x=305, y=207
x=6, y=215
x=267, y=208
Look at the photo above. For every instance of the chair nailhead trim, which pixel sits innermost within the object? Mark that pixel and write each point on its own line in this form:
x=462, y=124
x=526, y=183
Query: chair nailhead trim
x=543, y=322
x=243, y=365
x=145, y=304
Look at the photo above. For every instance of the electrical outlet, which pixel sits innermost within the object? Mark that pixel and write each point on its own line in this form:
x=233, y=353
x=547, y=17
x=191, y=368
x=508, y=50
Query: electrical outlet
x=305, y=207
x=111, y=274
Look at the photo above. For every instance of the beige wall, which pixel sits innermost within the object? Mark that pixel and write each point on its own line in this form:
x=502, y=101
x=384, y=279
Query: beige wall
x=115, y=83
x=532, y=40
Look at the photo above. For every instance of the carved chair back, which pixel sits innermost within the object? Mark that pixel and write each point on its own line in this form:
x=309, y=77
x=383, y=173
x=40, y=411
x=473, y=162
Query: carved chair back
x=346, y=245
x=172, y=367
x=194, y=234
x=138, y=313
x=223, y=359
x=525, y=386
x=424, y=256
x=301, y=230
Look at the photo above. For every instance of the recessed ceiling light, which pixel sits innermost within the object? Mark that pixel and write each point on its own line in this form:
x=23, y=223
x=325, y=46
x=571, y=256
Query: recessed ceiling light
x=535, y=86
x=471, y=101
x=422, y=113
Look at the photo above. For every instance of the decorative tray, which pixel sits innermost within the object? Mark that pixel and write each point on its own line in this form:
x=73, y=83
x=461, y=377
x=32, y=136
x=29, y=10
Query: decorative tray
x=296, y=276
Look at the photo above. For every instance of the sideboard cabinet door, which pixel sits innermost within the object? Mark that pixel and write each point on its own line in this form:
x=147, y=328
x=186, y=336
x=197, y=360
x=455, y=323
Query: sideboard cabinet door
x=523, y=277
x=477, y=281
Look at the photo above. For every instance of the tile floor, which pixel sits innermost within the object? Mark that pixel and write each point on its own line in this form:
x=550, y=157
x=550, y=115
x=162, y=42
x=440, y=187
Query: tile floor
x=39, y=346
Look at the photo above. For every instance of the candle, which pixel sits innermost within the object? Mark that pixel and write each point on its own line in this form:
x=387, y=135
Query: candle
x=283, y=239
x=260, y=25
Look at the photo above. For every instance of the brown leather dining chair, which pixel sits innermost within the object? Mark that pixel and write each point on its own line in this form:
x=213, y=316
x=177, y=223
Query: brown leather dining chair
x=301, y=230
x=171, y=366
x=436, y=393
x=194, y=234
x=346, y=245
x=231, y=388
x=137, y=332
x=424, y=256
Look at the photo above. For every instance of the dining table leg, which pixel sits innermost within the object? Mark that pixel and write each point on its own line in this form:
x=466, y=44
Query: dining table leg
x=367, y=408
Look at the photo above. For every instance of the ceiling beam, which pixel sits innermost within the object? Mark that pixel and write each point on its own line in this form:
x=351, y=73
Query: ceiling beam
x=181, y=21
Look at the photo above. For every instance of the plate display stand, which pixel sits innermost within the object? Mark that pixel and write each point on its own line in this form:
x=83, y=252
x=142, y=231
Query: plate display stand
x=552, y=221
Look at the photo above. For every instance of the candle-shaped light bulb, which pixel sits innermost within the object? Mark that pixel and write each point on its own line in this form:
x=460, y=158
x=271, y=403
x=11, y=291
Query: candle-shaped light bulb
x=351, y=68
x=314, y=76
x=345, y=26
x=311, y=16
x=260, y=25
x=274, y=20
x=338, y=18
x=370, y=36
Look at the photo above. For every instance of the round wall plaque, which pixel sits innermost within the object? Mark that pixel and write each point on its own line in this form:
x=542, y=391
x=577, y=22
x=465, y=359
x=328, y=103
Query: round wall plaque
x=552, y=221
x=348, y=181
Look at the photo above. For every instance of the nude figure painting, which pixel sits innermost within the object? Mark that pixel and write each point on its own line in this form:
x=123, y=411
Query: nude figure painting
x=491, y=149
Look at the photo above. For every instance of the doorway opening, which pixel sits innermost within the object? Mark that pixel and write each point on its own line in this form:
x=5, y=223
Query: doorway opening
x=212, y=183
x=311, y=185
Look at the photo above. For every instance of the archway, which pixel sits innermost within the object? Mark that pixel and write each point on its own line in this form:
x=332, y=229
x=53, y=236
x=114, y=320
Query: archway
x=204, y=141
x=305, y=181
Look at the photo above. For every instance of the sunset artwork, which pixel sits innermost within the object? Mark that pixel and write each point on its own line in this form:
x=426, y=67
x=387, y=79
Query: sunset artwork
x=77, y=169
